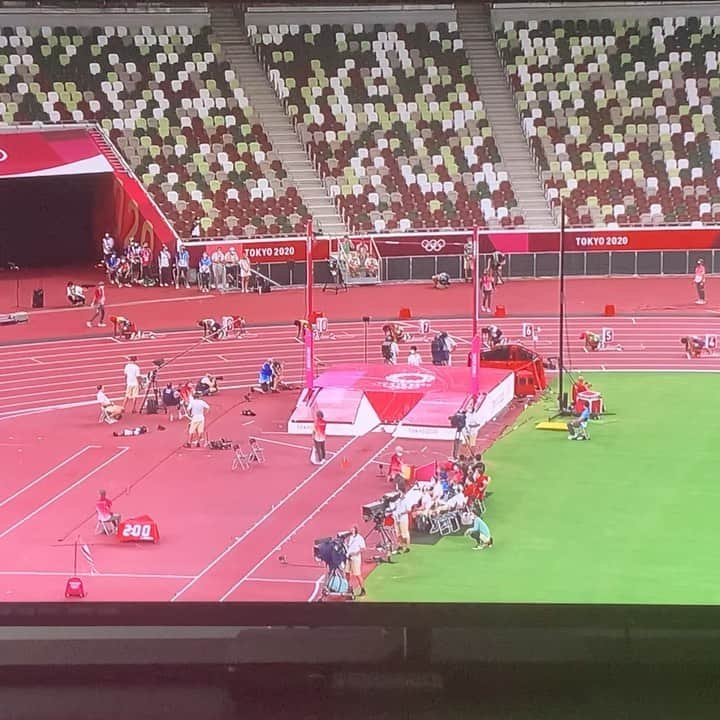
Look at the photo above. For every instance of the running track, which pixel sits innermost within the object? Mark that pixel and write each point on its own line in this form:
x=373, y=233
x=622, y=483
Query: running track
x=222, y=533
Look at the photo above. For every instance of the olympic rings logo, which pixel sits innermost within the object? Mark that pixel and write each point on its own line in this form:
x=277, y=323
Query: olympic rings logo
x=408, y=381
x=433, y=245
x=3, y=155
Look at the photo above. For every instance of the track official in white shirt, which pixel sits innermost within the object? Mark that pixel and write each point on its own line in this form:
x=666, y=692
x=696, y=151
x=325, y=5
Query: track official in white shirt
x=354, y=545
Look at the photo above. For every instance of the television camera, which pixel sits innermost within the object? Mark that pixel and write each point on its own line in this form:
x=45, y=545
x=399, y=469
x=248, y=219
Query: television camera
x=379, y=513
x=458, y=420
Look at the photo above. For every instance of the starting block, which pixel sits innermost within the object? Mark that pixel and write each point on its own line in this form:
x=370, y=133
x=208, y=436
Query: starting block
x=552, y=425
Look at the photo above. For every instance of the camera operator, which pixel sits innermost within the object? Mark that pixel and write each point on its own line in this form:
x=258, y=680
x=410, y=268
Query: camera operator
x=207, y=385
x=401, y=516
x=439, y=350
x=354, y=546
x=390, y=350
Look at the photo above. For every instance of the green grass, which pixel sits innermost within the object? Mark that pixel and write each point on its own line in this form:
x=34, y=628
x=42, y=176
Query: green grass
x=632, y=516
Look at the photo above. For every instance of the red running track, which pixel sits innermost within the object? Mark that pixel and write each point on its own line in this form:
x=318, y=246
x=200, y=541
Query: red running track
x=222, y=532
x=164, y=309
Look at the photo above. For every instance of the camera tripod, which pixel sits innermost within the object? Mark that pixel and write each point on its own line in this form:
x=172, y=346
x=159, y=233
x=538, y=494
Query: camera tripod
x=338, y=280
x=152, y=387
x=386, y=540
x=458, y=442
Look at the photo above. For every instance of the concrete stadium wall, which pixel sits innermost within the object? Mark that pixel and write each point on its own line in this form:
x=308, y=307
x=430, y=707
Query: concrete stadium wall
x=573, y=11
x=36, y=18
x=344, y=15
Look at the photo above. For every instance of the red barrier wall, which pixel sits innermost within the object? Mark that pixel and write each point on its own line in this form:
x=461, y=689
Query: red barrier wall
x=136, y=216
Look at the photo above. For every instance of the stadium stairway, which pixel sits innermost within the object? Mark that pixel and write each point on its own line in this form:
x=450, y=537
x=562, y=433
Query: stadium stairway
x=231, y=35
x=107, y=148
x=476, y=29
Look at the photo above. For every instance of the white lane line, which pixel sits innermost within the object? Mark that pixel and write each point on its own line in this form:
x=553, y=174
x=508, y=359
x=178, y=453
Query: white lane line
x=131, y=303
x=25, y=488
x=258, y=522
x=12, y=414
x=307, y=519
x=283, y=580
x=316, y=589
x=286, y=444
x=54, y=573
x=37, y=510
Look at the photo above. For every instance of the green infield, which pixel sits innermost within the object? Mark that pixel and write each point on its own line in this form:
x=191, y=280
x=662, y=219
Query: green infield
x=629, y=516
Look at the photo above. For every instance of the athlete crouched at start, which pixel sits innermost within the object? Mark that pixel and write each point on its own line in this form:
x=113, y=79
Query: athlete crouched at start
x=492, y=336
x=123, y=328
x=592, y=341
x=211, y=328
x=694, y=346
x=441, y=281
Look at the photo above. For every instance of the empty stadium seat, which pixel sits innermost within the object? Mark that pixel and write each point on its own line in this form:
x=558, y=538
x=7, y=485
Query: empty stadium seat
x=173, y=106
x=393, y=123
x=621, y=114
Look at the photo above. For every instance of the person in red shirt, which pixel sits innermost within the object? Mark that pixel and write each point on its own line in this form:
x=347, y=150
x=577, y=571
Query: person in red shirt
x=105, y=514
x=579, y=386
x=318, y=436
x=395, y=466
x=98, y=304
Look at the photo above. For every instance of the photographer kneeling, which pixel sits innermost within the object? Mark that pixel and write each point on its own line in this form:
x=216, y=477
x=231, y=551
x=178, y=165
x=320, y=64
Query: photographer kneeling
x=441, y=281
x=207, y=384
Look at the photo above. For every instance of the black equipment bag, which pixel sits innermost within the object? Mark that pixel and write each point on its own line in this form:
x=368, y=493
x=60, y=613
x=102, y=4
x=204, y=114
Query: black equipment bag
x=151, y=406
x=38, y=299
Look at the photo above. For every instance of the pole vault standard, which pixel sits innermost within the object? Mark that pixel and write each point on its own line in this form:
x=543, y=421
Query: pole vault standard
x=309, y=339
x=562, y=405
x=475, y=346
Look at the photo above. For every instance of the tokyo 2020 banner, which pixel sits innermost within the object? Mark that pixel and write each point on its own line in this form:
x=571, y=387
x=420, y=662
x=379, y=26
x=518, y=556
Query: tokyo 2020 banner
x=595, y=239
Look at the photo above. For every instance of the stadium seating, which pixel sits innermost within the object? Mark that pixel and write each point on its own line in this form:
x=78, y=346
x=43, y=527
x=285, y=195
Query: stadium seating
x=393, y=122
x=622, y=115
x=174, y=108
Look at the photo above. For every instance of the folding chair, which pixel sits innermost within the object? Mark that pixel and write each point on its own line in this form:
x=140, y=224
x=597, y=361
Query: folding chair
x=104, y=526
x=256, y=452
x=582, y=432
x=104, y=417
x=240, y=460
